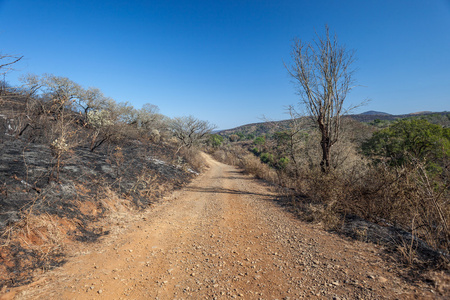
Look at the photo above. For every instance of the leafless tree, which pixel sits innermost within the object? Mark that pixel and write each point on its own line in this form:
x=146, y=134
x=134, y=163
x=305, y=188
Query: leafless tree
x=322, y=69
x=90, y=100
x=62, y=91
x=57, y=97
x=110, y=123
x=31, y=84
x=148, y=117
x=190, y=131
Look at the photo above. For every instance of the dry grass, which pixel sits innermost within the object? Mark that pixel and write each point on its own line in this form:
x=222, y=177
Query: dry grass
x=43, y=233
x=253, y=165
x=191, y=158
x=407, y=197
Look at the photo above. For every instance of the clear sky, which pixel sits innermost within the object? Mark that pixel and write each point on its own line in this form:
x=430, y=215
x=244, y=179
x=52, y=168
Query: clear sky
x=222, y=60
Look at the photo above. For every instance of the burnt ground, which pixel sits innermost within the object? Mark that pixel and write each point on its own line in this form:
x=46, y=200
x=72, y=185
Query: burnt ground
x=40, y=215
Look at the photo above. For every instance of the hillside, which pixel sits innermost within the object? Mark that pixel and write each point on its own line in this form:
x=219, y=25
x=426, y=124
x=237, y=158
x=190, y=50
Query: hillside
x=257, y=129
x=52, y=199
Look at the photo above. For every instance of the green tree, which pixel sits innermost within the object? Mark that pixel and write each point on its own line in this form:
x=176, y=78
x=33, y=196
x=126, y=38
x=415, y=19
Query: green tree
x=410, y=139
x=240, y=135
x=215, y=140
x=267, y=158
x=260, y=140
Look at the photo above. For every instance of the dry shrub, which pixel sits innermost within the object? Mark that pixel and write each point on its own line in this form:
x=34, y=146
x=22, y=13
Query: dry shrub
x=407, y=250
x=236, y=155
x=42, y=233
x=230, y=154
x=220, y=155
x=35, y=242
x=404, y=197
x=112, y=202
x=408, y=198
x=331, y=220
x=191, y=158
x=226, y=157
x=253, y=165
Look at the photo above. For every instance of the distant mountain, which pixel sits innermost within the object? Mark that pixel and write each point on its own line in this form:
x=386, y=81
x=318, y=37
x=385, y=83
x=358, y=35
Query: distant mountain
x=373, y=112
x=422, y=113
x=370, y=116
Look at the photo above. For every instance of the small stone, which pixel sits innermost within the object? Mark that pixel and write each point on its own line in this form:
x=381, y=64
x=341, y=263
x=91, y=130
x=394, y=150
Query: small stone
x=99, y=291
x=382, y=279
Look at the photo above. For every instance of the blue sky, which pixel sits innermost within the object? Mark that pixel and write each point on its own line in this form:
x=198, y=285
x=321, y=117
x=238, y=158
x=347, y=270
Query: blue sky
x=222, y=60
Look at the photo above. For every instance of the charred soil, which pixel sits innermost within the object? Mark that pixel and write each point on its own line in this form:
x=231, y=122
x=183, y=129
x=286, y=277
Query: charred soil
x=41, y=216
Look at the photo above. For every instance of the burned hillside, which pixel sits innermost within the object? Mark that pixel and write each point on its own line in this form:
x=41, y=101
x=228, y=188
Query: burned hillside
x=57, y=188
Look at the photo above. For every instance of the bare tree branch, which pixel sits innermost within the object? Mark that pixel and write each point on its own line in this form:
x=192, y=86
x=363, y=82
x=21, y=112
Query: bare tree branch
x=8, y=60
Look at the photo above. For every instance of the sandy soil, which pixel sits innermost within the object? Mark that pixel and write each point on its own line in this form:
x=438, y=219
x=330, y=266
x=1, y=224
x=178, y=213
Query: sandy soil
x=224, y=236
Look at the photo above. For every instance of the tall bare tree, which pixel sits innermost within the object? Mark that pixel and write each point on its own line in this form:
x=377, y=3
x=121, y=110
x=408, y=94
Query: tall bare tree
x=322, y=69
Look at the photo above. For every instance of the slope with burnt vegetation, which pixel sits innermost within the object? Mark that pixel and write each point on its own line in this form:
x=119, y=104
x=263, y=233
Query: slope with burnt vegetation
x=73, y=162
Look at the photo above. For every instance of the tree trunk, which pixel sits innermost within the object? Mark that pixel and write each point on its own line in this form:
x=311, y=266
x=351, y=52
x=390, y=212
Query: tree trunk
x=326, y=146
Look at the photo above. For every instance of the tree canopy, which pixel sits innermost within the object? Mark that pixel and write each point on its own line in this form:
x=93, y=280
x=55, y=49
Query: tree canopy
x=406, y=140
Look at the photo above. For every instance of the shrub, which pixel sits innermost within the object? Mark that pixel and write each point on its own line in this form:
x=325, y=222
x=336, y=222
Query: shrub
x=255, y=151
x=253, y=165
x=267, y=158
x=408, y=140
x=234, y=138
x=215, y=140
x=282, y=163
x=260, y=140
x=193, y=157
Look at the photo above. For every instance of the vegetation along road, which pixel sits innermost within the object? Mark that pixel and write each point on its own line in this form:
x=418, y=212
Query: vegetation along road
x=224, y=236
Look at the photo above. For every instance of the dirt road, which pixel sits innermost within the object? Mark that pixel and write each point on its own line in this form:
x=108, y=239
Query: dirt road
x=224, y=236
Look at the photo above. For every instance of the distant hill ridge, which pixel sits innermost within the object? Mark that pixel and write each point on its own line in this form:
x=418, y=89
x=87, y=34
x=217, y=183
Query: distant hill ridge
x=373, y=112
x=368, y=116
